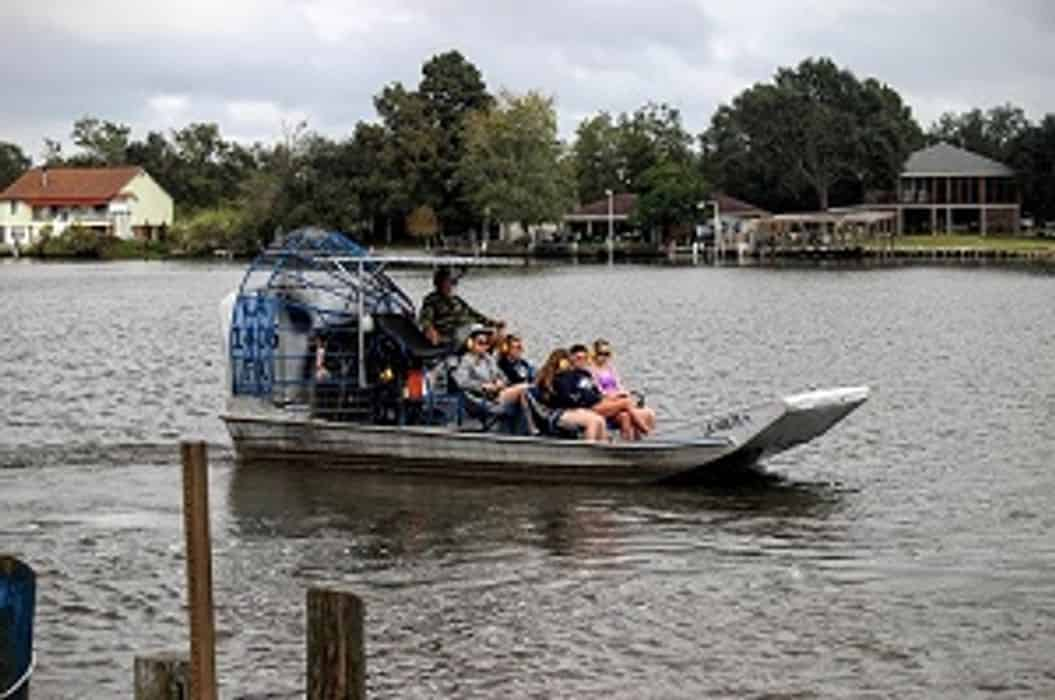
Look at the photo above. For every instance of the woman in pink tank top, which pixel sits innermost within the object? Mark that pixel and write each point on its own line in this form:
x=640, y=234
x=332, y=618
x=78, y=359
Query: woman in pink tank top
x=603, y=370
x=607, y=379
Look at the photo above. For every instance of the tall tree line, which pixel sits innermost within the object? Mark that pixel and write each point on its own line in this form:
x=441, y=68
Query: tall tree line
x=449, y=153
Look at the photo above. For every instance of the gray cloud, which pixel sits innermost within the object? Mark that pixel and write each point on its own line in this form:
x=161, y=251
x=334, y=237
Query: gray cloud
x=249, y=65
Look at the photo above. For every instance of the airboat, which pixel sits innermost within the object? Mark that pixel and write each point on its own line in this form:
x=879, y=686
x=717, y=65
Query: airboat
x=382, y=404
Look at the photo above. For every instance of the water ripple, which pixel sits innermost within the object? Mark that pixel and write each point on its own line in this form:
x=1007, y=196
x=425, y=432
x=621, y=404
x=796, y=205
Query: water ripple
x=907, y=554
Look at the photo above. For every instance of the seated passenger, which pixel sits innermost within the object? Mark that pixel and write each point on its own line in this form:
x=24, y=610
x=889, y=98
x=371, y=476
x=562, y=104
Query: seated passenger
x=608, y=381
x=512, y=363
x=578, y=386
x=443, y=312
x=568, y=417
x=477, y=374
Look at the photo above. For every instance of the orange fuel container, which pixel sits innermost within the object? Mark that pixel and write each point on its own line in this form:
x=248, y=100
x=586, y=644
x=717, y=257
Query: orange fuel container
x=415, y=388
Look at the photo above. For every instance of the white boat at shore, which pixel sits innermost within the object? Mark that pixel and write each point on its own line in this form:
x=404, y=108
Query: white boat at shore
x=363, y=418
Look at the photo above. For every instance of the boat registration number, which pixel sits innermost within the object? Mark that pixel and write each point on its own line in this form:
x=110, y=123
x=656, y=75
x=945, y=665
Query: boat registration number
x=253, y=343
x=726, y=423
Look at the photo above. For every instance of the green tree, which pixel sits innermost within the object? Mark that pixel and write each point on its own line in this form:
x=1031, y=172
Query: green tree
x=596, y=158
x=614, y=154
x=410, y=151
x=514, y=165
x=814, y=127
x=13, y=162
x=821, y=139
x=258, y=201
x=207, y=170
x=1032, y=155
x=671, y=194
x=651, y=135
x=451, y=87
x=884, y=134
x=156, y=155
x=319, y=191
x=992, y=133
x=101, y=142
x=369, y=179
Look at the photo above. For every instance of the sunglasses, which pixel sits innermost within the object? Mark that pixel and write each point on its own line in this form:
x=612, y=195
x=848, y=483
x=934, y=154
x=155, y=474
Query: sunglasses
x=604, y=353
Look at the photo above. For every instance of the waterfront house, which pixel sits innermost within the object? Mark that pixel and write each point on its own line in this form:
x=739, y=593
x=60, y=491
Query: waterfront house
x=593, y=219
x=945, y=188
x=125, y=202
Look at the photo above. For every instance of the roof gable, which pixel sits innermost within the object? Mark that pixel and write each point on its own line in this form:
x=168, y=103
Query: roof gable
x=73, y=185
x=624, y=202
x=946, y=159
x=733, y=206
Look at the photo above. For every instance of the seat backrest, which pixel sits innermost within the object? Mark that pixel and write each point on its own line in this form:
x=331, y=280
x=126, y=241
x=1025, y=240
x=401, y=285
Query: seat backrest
x=405, y=331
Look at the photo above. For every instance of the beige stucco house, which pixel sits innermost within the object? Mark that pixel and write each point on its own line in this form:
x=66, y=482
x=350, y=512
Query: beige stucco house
x=124, y=202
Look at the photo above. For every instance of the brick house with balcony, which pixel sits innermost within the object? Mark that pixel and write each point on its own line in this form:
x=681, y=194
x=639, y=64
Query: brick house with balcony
x=125, y=202
x=945, y=188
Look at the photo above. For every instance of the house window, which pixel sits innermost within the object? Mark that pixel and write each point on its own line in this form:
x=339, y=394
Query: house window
x=14, y=207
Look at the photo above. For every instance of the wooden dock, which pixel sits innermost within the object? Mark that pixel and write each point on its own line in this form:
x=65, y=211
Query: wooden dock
x=860, y=253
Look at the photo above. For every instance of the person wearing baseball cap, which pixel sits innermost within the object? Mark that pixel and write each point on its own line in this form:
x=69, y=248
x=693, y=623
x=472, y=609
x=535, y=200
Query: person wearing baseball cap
x=479, y=377
x=443, y=312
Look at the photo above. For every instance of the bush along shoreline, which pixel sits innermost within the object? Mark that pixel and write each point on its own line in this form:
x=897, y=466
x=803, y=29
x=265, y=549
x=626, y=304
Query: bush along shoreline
x=82, y=243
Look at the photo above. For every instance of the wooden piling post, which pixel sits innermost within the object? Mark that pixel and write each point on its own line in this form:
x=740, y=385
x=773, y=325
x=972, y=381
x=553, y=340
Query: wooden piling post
x=336, y=658
x=199, y=570
x=163, y=676
x=17, y=601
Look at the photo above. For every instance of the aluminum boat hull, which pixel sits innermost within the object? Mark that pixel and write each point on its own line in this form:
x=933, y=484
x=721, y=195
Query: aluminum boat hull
x=727, y=444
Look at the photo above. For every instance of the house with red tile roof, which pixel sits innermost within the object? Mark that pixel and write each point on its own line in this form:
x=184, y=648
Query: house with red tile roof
x=125, y=202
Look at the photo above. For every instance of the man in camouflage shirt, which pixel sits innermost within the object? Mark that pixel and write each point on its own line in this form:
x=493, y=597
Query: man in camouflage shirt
x=443, y=312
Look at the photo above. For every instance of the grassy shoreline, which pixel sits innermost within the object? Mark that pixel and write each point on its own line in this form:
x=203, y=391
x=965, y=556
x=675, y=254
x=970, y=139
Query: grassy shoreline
x=1006, y=244
x=941, y=245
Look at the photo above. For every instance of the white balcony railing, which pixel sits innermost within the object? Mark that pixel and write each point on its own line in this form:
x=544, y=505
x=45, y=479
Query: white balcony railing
x=68, y=216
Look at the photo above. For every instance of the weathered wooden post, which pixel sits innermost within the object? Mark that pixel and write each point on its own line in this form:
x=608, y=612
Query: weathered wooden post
x=199, y=570
x=162, y=676
x=18, y=587
x=336, y=659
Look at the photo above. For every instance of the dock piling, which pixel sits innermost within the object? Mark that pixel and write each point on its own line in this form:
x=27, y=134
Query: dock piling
x=199, y=570
x=336, y=658
x=162, y=676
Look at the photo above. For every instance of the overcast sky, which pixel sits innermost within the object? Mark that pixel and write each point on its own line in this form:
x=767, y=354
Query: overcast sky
x=251, y=64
